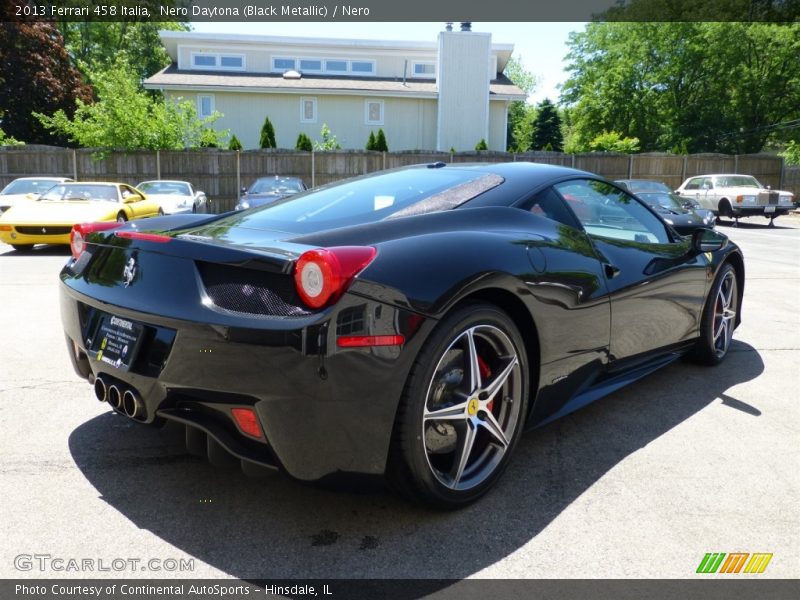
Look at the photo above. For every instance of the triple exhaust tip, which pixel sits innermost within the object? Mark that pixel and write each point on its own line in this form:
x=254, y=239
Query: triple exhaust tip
x=126, y=401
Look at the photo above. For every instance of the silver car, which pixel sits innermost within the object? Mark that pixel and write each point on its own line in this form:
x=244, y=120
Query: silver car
x=736, y=196
x=175, y=196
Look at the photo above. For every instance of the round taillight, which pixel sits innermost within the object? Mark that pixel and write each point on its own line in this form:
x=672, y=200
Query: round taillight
x=76, y=242
x=322, y=275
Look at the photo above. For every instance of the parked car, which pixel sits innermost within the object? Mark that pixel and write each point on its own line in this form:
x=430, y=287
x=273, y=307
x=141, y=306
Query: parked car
x=266, y=190
x=175, y=196
x=410, y=323
x=736, y=196
x=26, y=188
x=678, y=212
x=49, y=219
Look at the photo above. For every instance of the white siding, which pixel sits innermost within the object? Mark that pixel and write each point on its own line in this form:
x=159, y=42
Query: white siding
x=498, y=109
x=409, y=123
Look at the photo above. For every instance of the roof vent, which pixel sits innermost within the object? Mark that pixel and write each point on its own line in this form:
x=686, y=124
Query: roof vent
x=466, y=26
x=449, y=26
x=292, y=75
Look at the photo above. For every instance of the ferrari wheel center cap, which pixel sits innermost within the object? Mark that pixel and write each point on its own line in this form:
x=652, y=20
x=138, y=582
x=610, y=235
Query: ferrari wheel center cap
x=472, y=407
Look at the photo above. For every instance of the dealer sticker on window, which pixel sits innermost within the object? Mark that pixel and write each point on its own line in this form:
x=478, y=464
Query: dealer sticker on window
x=116, y=341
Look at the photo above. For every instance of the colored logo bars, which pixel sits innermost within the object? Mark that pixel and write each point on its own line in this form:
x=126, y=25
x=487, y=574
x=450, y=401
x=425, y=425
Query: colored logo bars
x=719, y=562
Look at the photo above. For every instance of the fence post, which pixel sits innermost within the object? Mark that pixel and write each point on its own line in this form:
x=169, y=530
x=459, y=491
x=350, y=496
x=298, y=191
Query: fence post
x=630, y=166
x=158, y=164
x=736, y=163
x=683, y=170
x=384, y=160
x=572, y=160
x=74, y=164
x=313, y=168
x=238, y=178
x=783, y=169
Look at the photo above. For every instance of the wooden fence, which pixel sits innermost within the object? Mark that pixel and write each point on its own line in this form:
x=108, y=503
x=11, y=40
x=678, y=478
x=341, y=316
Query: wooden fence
x=221, y=173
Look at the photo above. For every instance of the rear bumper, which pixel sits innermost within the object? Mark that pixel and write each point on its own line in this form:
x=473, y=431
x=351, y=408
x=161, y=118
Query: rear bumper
x=323, y=410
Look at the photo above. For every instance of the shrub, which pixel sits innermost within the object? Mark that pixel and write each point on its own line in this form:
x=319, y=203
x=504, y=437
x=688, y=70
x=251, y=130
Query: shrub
x=371, y=141
x=380, y=142
x=235, y=144
x=304, y=143
x=481, y=145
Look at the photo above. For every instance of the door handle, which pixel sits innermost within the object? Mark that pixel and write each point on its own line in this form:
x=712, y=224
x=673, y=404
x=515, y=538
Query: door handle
x=610, y=270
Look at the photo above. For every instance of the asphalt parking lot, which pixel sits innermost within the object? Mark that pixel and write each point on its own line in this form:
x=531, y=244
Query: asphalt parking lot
x=639, y=485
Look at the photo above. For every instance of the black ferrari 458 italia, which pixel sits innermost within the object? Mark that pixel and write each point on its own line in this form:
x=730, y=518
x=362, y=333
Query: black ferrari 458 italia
x=408, y=324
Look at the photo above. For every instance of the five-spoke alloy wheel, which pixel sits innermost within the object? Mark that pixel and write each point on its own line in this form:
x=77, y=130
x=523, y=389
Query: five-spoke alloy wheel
x=463, y=408
x=719, y=318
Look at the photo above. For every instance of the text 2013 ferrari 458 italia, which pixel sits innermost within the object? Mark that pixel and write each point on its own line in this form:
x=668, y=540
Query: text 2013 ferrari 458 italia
x=408, y=324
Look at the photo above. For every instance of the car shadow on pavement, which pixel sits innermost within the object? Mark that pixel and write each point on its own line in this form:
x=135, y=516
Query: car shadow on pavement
x=745, y=224
x=277, y=528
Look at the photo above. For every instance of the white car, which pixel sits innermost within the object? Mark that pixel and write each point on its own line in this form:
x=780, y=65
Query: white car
x=736, y=196
x=26, y=188
x=175, y=196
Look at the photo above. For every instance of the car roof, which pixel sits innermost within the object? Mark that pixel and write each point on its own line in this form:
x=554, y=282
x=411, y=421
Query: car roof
x=162, y=181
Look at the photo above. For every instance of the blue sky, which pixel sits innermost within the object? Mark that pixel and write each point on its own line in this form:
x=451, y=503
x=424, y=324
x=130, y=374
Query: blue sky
x=540, y=46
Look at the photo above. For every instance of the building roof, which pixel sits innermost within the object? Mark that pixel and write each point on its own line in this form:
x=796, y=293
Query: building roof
x=172, y=78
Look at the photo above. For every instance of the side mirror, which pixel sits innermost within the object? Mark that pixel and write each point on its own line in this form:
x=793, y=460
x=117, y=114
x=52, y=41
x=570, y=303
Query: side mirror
x=244, y=190
x=707, y=240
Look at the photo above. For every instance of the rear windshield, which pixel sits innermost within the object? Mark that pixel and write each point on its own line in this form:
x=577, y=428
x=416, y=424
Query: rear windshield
x=171, y=188
x=275, y=186
x=370, y=199
x=737, y=181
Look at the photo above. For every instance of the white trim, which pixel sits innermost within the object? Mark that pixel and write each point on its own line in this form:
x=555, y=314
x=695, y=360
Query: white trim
x=200, y=98
x=189, y=89
x=217, y=56
x=367, y=120
x=303, y=101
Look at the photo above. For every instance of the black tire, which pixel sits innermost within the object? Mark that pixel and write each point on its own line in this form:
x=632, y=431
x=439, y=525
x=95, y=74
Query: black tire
x=23, y=248
x=725, y=209
x=121, y=218
x=427, y=461
x=719, y=318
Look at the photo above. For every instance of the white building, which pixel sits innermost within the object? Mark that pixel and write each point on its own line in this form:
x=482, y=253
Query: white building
x=424, y=95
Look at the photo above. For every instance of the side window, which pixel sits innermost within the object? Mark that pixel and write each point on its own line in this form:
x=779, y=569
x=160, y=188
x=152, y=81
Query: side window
x=548, y=204
x=127, y=191
x=694, y=184
x=607, y=211
x=708, y=183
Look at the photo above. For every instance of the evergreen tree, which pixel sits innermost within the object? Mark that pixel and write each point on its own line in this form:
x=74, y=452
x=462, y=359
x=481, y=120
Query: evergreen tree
x=371, y=141
x=481, y=145
x=547, y=128
x=380, y=142
x=304, y=143
x=234, y=144
x=267, y=135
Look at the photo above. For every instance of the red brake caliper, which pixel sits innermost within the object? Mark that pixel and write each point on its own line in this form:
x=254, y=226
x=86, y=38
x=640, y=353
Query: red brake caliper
x=486, y=372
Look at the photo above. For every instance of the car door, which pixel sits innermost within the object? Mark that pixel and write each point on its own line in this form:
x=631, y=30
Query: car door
x=707, y=196
x=691, y=190
x=655, y=283
x=136, y=202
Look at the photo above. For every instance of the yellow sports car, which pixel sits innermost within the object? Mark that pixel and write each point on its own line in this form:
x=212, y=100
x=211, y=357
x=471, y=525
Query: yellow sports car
x=50, y=218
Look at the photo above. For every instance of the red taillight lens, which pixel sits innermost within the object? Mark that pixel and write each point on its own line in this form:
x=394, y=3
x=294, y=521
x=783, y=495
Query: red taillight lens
x=321, y=275
x=149, y=237
x=364, y=341
x=247, y=421
x=77, y=237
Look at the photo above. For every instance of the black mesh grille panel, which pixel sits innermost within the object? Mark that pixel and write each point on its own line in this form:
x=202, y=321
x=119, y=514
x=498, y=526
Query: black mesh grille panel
x=43, y=230
x=251, y=291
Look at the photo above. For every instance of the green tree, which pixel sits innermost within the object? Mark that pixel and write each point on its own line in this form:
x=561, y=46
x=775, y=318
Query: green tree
x=695, y=86
x=520, y=113
x=36, y=75
x=792, y=153
x=547, y=128
x=328, y=141
x=125, y=117
x=380, y=142
x=7, y=140
x=370, y=141
x=267, y=139
x=612, y=141
x=95, y=45
x=481, y=145
x=235, y=144
x=304, y=143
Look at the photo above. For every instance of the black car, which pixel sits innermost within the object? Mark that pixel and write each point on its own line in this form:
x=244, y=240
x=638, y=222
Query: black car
x=266, y=190
x=684, y=215
x=408, y=324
